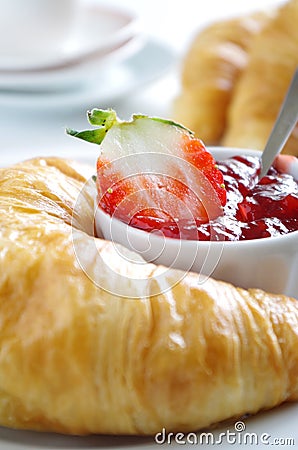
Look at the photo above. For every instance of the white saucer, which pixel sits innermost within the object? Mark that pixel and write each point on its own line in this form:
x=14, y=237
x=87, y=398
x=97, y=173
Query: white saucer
x=112, y=82
x=98, y=31
x=68, y=76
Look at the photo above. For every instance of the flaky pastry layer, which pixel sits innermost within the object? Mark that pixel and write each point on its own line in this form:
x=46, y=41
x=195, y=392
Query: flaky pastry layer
x=76, y=358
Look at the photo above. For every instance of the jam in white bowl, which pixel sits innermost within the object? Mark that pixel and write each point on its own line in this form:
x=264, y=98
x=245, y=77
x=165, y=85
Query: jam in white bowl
x=244, y=246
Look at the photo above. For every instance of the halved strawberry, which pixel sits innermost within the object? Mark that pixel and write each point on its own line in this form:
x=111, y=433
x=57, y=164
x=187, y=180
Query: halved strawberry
x=154, y=170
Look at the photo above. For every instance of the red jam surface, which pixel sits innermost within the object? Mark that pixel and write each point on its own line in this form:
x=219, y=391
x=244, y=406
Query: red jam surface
x=269, y=209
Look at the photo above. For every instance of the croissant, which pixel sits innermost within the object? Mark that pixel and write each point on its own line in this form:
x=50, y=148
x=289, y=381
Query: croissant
x=235, y=77
x=76, y=357
x=211, y=68
x=258, y=95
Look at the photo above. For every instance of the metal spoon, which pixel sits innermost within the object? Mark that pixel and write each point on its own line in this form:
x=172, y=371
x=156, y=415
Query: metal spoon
x=285, y=122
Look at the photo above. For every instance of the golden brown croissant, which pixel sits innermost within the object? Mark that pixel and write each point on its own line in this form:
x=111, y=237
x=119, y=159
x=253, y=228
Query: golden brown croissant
x=77, y=358
x=212, y=65
x=235, y=77
x=273, y=59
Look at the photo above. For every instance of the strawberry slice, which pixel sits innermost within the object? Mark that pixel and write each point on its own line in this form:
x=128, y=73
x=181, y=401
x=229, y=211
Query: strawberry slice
x=153, y=173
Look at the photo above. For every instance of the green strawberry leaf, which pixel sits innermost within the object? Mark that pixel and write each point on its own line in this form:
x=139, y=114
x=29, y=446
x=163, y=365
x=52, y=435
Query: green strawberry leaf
x=106, y=119
x=101, y=117
x=93, y=136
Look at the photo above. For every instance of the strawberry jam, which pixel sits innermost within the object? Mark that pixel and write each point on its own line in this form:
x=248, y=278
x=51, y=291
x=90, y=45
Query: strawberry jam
x=268, y=209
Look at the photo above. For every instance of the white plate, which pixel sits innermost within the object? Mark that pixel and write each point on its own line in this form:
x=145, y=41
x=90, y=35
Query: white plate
x=266, y=429
x=111, y=83
x=98, y=31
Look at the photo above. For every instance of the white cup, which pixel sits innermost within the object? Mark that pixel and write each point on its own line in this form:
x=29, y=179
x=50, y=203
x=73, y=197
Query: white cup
x=33, y=31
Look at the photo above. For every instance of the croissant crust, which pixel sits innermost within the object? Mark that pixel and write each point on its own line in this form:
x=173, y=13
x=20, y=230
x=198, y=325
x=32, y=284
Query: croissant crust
x=76, y=358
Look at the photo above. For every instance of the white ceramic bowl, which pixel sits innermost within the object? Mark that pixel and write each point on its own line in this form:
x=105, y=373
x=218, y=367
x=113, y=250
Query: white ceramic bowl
x=269, y=263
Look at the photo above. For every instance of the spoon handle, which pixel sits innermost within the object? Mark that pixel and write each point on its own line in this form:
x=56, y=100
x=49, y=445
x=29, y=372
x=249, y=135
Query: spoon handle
x=286, y=120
